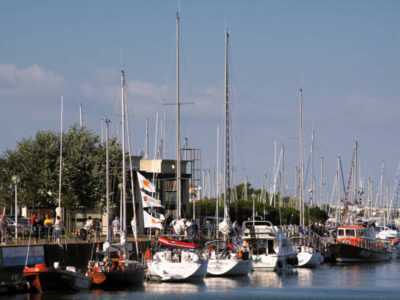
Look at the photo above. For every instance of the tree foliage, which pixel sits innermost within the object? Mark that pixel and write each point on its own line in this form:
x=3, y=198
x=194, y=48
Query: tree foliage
x=37, y=162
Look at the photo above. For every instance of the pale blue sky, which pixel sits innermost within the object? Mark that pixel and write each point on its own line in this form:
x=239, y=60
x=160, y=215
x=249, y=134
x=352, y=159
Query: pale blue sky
x=346, y=52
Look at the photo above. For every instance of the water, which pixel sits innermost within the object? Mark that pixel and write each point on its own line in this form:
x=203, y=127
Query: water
x=357, y=281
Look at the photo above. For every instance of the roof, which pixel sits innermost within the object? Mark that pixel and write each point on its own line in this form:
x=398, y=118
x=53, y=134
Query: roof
x=351, y=227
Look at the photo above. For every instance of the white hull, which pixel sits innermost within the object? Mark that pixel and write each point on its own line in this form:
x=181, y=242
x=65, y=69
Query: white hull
x=274, y=262
x=190, y=268
x=309, y=259
x=229, y=267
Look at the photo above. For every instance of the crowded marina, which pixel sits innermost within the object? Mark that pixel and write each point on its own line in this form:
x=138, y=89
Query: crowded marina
x=157, y=199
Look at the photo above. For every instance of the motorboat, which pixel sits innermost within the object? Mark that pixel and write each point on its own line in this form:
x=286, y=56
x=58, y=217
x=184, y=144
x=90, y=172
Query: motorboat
x=271, y=250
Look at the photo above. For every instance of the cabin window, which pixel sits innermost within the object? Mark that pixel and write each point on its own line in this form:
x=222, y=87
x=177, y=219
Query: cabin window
x=341, y=232
x=360, y=232
x=350, y=232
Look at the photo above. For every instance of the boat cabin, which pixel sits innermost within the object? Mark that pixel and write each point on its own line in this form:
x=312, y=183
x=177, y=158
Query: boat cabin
x=355, y=231
x=264, y=237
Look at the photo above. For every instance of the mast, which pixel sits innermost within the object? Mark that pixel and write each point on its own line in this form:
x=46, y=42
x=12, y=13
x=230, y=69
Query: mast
x=131, y=177
x=226, y=158
x=58, y=213
x=107, y=183
x=355, y=182
x=80, y=116
x=123, y=153
x=178, y=125
x=312, y=170
x=146, y=143
x=217, y=198
x=321, y=181
x=301, y=175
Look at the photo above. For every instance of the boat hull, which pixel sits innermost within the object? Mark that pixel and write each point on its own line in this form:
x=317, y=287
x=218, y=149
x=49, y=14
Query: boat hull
x=57, y=280
x=309, y=260
x=177, y=271
x=274, y=262
x=350, y=253
x=229, y=267
x=118, y=279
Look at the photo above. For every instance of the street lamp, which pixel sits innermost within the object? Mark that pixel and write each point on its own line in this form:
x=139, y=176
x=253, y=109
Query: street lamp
x=16, y=179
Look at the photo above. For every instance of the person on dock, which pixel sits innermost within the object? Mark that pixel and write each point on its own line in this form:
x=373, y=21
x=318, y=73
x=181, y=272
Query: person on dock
x=48, y=225
x=88, y=226
x=35, y=229
x=3, y=229
x=41, y=226
x=57, y=228
x=115, y=227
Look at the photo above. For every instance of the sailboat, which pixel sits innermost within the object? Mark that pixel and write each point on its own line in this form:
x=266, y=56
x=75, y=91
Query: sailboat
x=56, y=278
x=308, y=257
x=180, y=261
x=226, y=259
x=113, y=272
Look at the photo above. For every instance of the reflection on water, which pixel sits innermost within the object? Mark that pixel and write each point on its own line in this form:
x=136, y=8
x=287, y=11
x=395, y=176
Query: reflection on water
x=266, y=279
x=304, y=277
x=366, y=281
x=174, y=288
x=222, y=284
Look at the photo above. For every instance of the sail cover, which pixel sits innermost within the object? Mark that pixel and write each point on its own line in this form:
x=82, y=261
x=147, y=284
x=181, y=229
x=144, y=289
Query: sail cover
x=177, y=244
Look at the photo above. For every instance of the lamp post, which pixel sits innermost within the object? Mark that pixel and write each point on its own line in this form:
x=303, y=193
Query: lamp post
x=16, y=179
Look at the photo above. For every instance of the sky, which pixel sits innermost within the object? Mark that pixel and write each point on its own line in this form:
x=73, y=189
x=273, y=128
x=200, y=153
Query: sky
x=344, y=54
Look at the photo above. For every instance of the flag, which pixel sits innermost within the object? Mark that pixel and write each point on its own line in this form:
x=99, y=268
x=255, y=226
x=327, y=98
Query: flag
x=145, y=184
x=151, y=222
x=150, y=201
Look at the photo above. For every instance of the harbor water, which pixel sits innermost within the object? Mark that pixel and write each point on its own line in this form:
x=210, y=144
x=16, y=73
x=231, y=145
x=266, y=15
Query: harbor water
x=340, y=281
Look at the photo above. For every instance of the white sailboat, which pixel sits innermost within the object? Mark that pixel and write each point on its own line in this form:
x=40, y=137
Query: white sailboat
x=307, y=256
x=226, y=259
x=180, y=261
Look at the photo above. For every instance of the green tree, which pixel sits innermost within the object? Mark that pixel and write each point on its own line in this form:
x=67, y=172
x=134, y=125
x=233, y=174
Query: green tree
x=36, y=161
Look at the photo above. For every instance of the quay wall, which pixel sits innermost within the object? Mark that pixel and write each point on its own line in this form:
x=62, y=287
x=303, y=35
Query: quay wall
x=14, y=257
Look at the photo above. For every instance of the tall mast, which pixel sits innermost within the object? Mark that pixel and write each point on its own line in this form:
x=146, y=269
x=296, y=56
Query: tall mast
x=355, y=181
x=217, y=198
x=123, y=153
x=178, y=126
x=312, y=171
x=61, y=162
x=226, y=159
x=146, y=143
x=301, y=176
x=321, y=180
x=80, y=116
x=107, y=182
